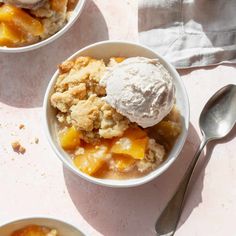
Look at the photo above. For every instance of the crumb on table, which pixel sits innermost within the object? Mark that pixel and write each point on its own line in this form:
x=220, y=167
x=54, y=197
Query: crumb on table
x=21, y=126
x=17, y=147
x=36, y=140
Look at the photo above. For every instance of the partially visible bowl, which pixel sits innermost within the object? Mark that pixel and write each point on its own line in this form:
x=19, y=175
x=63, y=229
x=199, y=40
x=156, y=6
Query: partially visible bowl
x=73, y=17
x=62, y=227
x=105, y=50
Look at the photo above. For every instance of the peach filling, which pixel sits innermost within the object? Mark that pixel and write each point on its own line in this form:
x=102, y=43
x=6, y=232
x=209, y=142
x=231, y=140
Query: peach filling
x=133, y=143
x=10, y=35
x=122, y=152
x=21, y=19
x=70, y=139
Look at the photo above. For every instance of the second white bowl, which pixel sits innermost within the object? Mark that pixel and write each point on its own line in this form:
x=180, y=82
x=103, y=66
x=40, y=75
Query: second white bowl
x=75, y=14
x=62, y=227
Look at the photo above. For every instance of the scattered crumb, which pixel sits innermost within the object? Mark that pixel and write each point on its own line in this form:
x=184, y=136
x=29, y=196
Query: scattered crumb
x=17, y=147
x=21, y=126
x=36, y=140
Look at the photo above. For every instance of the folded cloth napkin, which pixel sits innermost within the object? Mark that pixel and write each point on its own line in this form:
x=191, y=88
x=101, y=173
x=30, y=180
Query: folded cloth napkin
x=190, y=33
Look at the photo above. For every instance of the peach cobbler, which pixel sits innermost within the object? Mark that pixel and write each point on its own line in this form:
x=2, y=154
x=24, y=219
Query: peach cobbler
x=25, y=22
x=106, y=136
x=35, y=230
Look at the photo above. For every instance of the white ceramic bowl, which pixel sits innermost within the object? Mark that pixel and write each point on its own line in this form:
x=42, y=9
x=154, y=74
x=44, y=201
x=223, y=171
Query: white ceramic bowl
x=63, y=228
x=75, y=14
x=105, y=50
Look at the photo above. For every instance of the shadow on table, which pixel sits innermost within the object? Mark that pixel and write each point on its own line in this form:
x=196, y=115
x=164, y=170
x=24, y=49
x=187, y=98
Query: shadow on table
x=133, y=211
x=25, y=76
x=200, y=173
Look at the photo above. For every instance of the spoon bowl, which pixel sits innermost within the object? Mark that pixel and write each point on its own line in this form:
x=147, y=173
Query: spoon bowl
x=219, y=114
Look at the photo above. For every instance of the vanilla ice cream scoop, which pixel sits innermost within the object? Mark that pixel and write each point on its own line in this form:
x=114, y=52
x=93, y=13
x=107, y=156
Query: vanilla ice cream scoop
x=141, y=89
x=29, y=4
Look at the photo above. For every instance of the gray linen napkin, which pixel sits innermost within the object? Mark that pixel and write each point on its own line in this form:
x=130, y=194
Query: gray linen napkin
x=190, y=33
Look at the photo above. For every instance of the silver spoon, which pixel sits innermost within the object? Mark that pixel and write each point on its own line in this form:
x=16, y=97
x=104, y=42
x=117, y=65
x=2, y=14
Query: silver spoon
x=217, y=119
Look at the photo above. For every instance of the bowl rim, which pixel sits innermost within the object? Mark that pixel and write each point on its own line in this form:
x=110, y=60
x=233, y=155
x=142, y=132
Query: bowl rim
x=118, y=183
x=77, y=11
x=40, y=217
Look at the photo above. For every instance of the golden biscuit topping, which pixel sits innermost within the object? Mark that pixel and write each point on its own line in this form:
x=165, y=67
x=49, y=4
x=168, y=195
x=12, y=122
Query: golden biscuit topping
x=78, y=96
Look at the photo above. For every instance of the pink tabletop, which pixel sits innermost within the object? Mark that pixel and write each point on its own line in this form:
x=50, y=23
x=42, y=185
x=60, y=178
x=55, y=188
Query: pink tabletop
x=36, y=183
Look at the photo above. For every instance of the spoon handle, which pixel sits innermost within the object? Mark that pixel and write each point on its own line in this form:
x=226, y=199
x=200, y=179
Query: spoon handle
x=167, y=222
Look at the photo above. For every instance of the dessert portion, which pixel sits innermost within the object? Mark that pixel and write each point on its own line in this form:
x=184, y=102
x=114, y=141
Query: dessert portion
x=35, y=230
x=25, y=22
x=116, y=120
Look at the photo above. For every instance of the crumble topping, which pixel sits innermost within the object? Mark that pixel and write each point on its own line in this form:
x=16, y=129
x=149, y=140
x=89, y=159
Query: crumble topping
x=78, y=98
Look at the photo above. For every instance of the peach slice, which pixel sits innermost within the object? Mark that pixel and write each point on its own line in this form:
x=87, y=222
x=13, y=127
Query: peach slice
x=10, y=35
x=118, y=59
x=133, y=143
x=20, y=18
x=70, y=139
x=93, y=158
x=123, y=162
